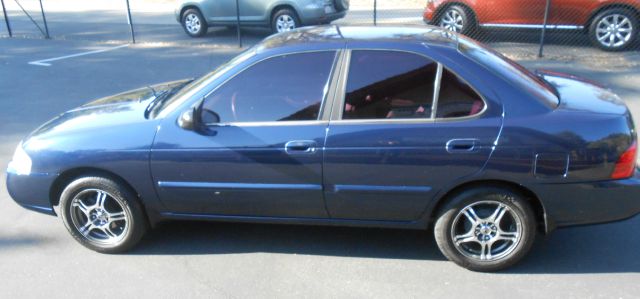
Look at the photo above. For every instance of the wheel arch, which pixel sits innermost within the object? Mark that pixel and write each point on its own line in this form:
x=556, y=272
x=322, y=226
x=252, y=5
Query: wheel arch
x=72, y=174
x=544, y=224
x=602, y=8
x=279, y=7
x=187, y=7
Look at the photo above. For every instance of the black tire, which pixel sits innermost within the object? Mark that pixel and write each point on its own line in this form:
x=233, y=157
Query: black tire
x=119, y=199
x=193, y=23
x=341, y=5
x=456, y=18
x=288, y=16
x=617, y=44
x=481, y=199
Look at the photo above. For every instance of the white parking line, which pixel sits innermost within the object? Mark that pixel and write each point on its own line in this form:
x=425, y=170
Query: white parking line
x=44, y=61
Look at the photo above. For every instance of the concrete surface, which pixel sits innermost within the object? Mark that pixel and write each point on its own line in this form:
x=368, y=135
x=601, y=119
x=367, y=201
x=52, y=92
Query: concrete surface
x=39, y=259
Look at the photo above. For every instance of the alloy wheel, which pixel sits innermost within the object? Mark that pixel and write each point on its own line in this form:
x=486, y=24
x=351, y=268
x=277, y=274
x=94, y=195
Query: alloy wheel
x=486, y=231
x=452, y=21
x=99, y=217
x=192, y=23
x=285, y=23
x=614, y=31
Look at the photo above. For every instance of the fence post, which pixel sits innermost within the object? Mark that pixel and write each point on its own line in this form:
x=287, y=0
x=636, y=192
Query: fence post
x=44, y=19
x=133, y=35
x=544, y=27
x=238, y=23
x=375, y=12
x=6, y=19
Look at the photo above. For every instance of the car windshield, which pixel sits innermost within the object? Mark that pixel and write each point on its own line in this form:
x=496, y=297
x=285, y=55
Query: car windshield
x=510, y=70
x=194, y=86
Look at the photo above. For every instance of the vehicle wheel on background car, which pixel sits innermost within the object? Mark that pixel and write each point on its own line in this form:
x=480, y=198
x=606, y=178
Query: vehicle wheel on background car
x=102, y=214
x=486, y=229
x=455, y=18
x=194, y=23
x=614, y=29
x=284, y=20
x=341, y=5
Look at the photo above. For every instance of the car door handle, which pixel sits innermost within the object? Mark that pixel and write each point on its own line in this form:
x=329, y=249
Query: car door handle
x=300, y=147
x=461, y=145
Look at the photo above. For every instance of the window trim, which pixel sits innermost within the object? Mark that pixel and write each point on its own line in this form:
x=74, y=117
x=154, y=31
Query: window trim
x=340, y=95
x=321, y=115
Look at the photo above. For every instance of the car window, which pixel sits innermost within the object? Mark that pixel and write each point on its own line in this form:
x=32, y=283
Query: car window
x=457, y=98
x=282, y=88
x=389, y=85
x=396, y=85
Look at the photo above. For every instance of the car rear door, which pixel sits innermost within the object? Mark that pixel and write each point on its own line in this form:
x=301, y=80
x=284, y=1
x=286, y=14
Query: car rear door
x=388, y=152
x=260, y=152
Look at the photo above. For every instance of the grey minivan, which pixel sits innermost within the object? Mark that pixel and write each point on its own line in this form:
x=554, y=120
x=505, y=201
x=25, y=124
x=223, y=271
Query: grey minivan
x=281, y=15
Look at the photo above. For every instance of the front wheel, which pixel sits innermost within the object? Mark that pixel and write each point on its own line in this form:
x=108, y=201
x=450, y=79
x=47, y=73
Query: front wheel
x=194, y=23
x=455, y=18
x=614, y=29
x=102, y=214
x=486, y=229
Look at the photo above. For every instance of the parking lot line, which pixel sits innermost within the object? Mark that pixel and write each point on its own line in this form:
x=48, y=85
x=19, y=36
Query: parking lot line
x=44, y=62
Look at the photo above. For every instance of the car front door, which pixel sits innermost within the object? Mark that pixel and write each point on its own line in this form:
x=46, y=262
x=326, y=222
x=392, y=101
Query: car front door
x=511, y=12
x=388, y=151
x=261, y=147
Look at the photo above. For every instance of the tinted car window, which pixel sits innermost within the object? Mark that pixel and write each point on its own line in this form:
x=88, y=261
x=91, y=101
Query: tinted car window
x=282, y=88
x=389, y=85
x=457, y=98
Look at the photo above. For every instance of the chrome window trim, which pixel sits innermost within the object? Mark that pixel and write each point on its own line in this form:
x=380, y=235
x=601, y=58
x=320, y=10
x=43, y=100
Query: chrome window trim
x=336, y=115
x=275, y=122
x=436, y=91
x=531, y=26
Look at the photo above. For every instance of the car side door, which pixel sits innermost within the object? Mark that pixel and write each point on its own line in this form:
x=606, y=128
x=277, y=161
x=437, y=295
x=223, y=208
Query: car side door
x=403, y=126
x=259, y=150
x=511, y=12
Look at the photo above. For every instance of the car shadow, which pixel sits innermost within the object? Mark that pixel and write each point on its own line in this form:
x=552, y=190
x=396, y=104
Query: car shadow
x=609, y=248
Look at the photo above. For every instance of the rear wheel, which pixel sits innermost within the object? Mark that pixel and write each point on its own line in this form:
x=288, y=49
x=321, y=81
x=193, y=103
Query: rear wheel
x=102, y=214
x=486, y=229
x=194, y=23
x=284, y=20
x=614, y=29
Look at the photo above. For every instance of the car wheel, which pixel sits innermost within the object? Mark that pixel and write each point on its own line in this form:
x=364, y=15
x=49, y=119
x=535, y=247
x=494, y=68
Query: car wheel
x=284, y=20
x=486, y=229
x=455, y=18
x=613, y=29
x=194, y=23
x=102, y=214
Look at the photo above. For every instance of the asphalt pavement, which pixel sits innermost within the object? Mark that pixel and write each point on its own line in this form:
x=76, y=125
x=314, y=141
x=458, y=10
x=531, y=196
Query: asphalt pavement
x=39, y=259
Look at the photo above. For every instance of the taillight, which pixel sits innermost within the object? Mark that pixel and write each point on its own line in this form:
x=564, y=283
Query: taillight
x=626, y=163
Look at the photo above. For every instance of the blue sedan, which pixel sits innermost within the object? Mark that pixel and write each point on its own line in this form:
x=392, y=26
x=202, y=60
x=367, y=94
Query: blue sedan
x=396, y=127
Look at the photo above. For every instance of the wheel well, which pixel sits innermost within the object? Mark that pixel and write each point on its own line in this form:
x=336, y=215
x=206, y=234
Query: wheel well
x=187, y=8
x=282, y=6
x=534, y=201
x=635, y=11
x=70, y=175
x=470, y=11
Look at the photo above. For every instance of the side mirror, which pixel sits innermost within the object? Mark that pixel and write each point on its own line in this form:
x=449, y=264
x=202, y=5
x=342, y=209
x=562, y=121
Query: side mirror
x=187, y=119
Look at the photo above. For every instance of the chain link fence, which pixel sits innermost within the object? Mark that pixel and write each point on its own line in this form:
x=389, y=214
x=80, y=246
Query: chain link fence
x=585, y=30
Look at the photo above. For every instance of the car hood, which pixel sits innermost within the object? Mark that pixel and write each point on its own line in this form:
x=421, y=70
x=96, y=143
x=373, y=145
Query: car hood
x=581, y=94
x=110, y=112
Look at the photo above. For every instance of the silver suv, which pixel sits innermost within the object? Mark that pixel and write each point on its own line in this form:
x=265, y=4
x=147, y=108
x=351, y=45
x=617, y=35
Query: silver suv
x=281, y=15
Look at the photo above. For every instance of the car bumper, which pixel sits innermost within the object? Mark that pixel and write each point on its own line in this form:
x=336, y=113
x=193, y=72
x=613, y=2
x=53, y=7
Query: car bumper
x=32, y=191
x=590, y=203
x=318, y=15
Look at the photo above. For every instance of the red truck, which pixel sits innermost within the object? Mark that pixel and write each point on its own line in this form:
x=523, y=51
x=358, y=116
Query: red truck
x=611, y=24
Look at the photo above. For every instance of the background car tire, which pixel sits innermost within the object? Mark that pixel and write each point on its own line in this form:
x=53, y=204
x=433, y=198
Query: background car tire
x=456, y=18
x=284, y=20
x=480, y=200
x=341, y=5
x=624, y=20
x=194, y=23
x=119, y=202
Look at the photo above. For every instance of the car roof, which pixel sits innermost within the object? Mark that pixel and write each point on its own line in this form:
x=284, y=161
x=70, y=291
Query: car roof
x=319, y=37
